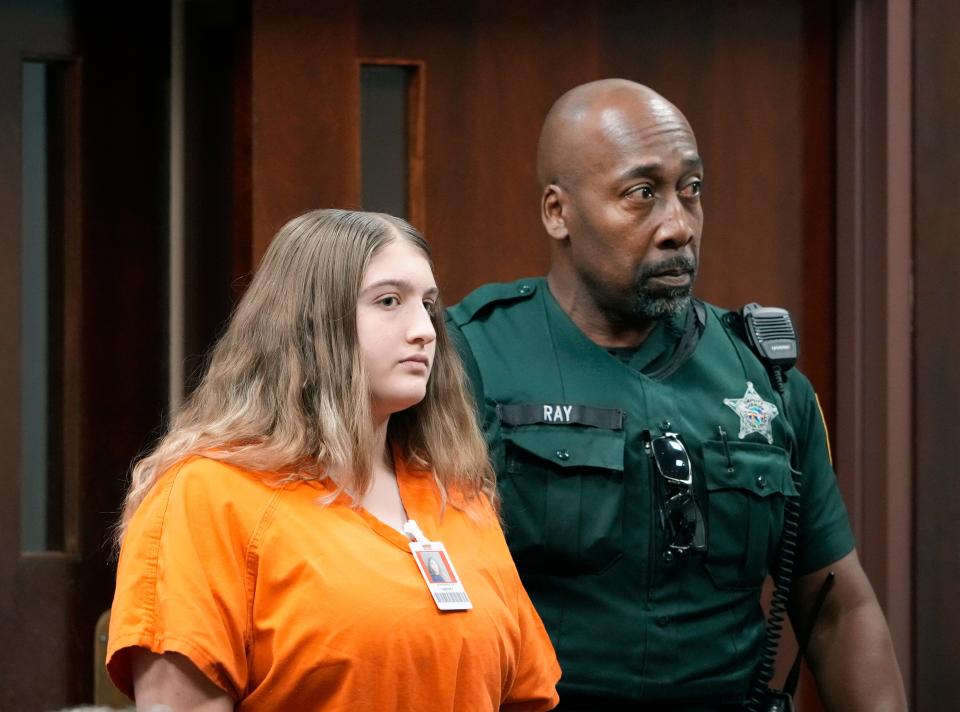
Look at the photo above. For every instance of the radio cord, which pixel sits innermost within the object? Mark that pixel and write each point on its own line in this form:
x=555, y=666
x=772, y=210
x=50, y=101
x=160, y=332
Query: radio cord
x=782, y=579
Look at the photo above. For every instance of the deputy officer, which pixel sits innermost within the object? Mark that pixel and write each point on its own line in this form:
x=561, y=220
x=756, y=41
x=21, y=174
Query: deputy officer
x=643, y=452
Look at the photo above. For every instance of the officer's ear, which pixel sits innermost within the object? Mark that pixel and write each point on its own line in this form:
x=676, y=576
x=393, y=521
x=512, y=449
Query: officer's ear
x=552, y=204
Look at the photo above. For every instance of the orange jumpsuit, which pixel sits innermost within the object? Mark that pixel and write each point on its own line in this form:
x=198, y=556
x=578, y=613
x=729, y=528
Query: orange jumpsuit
x=287, y=604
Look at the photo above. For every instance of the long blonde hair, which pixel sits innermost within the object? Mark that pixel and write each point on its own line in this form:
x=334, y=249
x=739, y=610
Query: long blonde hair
x=285, y=391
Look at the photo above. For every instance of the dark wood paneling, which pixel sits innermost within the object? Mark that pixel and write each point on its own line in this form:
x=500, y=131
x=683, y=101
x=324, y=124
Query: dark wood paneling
x=874, y=446
x=241, y=224
x=937, y=349
x=125, y=50
x=493, y=70
x=305, y=112
x=818, y=231
x=35, y=590
x=755, y=81
x=213, y=263
x=113, y=384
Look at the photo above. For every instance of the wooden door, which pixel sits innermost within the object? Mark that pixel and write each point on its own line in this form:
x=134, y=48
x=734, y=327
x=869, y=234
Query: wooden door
x=82, y=300
x=38, y=554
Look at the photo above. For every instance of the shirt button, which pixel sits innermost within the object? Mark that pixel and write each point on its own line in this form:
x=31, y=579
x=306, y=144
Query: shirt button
x=761, y=481
x=663, y=621
x=563, y=455
x=525, y=289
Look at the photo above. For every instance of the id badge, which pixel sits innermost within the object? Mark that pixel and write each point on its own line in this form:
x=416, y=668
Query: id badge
x=438, y=571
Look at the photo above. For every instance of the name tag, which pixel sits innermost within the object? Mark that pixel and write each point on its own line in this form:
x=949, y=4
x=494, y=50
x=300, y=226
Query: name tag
x=437, y=570
x=560, y=414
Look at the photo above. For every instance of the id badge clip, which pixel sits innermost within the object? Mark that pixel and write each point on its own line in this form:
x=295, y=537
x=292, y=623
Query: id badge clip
x=437, y=570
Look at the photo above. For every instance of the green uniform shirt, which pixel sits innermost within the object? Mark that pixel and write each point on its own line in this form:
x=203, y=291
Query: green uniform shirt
x=564, y=420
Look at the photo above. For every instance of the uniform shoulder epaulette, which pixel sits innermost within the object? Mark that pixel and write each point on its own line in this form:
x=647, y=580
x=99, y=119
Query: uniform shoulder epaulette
x=728, y=317
x=494, y=293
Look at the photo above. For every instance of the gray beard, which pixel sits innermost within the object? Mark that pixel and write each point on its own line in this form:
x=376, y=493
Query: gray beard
x=651, y=303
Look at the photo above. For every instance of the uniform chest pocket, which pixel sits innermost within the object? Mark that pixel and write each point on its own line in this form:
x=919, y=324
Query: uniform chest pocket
x=747, y=487
x=563, y=497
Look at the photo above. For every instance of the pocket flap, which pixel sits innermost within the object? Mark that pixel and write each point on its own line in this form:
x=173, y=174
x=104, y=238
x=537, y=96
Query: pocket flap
x=570, y=445
x=761, y=469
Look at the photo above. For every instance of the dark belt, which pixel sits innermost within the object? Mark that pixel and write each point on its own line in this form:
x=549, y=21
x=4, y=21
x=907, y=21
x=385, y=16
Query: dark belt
x=585, y=703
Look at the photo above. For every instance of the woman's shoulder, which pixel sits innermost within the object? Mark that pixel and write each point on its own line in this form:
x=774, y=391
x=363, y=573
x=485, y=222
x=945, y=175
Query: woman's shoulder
x=210, y=492
x=210, y=477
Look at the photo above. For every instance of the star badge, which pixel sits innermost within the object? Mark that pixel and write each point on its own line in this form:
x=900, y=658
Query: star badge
x=756, y=415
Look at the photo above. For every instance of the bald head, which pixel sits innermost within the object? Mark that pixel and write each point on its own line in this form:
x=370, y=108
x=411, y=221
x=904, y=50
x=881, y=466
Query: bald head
x=621, y=177
x=591, y=112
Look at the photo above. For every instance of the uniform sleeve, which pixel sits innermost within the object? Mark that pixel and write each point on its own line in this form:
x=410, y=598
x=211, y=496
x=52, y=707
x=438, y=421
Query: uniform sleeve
x=535, y=685
x=470, y=366
x=181, y=580
x=486, y=410
x=825, y=533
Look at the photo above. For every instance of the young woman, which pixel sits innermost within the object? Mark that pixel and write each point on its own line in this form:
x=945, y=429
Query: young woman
x=265, y=563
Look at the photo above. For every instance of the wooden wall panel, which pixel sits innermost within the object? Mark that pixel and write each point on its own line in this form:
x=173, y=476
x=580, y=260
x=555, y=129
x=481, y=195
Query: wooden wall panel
x=874, y=448
x=212, y=59
x=115, y=316
x=755, y=81
x=36, y=607
x=493, y=70
x=305, y=111
x=125, y=51
x=936, y=350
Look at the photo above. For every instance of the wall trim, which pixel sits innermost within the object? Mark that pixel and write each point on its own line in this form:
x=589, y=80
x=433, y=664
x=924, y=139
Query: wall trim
x=874, y=436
